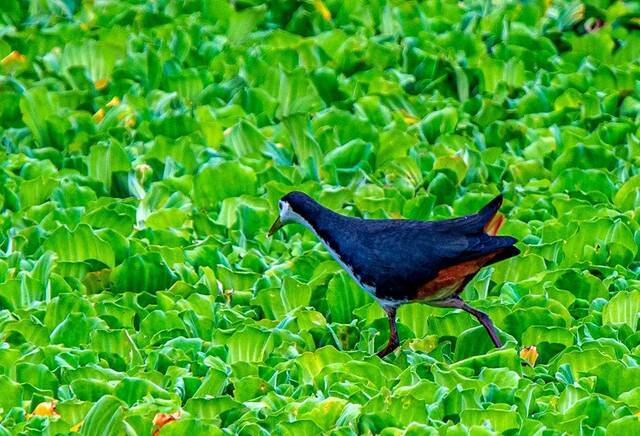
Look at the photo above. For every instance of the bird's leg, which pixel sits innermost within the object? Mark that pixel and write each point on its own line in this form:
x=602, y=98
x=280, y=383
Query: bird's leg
x=393, y=334
x=457, y=303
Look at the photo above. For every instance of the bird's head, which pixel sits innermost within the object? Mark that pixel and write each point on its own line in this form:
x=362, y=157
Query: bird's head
x=291, y=209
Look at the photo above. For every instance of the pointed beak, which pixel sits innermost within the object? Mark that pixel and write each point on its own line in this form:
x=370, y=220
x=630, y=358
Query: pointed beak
x=277, y=225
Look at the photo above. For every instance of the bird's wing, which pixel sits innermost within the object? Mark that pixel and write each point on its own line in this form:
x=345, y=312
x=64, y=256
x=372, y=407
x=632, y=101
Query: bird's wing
x=397, y=258
x=400, y=255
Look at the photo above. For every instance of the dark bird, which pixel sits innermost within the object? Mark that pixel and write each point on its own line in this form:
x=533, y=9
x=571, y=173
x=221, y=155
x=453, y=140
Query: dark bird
x=400, y=261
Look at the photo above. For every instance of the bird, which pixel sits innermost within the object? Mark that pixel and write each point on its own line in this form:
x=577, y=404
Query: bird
x=400, y=261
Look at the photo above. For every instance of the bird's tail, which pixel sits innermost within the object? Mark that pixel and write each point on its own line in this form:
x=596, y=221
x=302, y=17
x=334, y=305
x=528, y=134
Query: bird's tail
x=487, y=220
x=487, y=224
x=490, y=218
x=492, y=226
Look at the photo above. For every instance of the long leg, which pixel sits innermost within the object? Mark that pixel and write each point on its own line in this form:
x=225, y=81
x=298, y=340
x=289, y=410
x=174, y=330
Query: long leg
x=393, y=334
x=457, y=303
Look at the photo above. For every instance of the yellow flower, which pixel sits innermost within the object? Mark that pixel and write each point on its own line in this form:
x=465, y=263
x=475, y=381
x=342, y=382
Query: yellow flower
x=99, y=115
x=76, y=427
x=101, y=84
x=530, y=354
x=15, y=57
x=322, y=8
x=409, y=118
x=46, y=408
x=115, y=101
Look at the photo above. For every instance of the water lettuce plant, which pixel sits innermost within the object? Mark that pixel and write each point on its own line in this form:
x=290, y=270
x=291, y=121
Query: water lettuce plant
x=145, y=145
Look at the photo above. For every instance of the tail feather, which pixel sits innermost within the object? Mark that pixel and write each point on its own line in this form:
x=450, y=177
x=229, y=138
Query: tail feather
x=483, y=244
x=482, y=229
x=492, y=226
x=491, y=208
x=504, y=253
x=481, y=222
x=490, y=218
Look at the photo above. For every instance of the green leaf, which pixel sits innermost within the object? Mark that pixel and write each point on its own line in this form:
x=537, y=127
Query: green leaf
x=16, y=294
x=35, y=191
x=98, y=58
x=537, y=334
x=133, y=389
x=499, y=420
x=301, y=427
x=78, y=245
x=117, y=342
x=344, y=296
x=297, y=94
x=312, y=363
x=39, y=111
x=623, y=307
x=145, y=272
x=75, y=329
x=190, y=426
x=614, y=378
x=250, y=215
x=628, y=196
x=12, y=393
x=245, y=139
x=625, y=425
x=106, y=159
x=212, y=408
x=36, y=375
x=249, y=345
x=519, y=268
x=305, y=147
x=439, y=123
x=584, y=156
x=105, y=418
x=216, y=182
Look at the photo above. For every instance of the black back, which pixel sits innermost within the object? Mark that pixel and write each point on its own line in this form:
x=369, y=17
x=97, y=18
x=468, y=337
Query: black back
x=397, y=257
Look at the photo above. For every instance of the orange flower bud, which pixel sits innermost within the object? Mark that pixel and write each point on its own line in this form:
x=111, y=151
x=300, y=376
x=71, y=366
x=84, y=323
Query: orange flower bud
x=162, y=419
x=13, y=57
x=530, y=354
x=46, y=408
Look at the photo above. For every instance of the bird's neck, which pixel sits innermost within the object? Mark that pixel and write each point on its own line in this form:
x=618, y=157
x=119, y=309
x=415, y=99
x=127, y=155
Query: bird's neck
x=333, y=230
x=317, y=218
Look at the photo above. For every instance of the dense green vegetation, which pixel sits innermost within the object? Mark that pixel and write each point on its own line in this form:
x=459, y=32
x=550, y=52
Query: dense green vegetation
x=145, y=145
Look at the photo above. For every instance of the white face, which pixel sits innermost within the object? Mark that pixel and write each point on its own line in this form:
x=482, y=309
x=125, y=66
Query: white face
x=287, y=215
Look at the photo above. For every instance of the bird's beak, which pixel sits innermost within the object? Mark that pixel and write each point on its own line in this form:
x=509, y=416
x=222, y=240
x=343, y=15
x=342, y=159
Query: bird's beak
x=277, y=225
